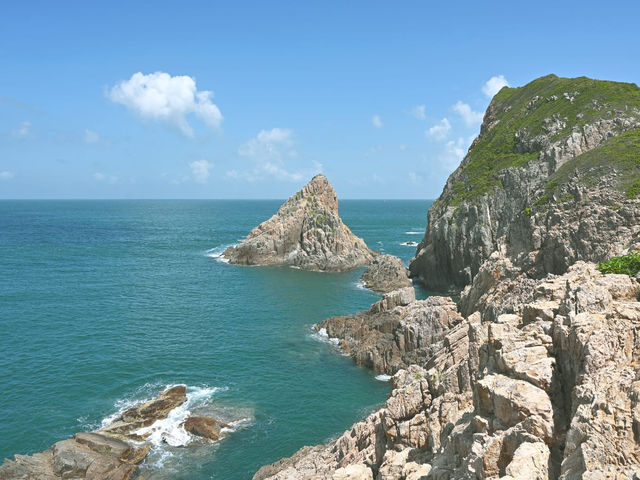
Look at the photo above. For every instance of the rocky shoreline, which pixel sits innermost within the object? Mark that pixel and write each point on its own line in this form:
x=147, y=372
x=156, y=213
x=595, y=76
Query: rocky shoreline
x=114, y=451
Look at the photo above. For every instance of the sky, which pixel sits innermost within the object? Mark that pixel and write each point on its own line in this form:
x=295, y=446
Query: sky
x=251, y=99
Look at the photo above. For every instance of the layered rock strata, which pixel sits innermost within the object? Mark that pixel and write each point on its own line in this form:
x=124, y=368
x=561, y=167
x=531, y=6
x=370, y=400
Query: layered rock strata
x=551, y=179
x=551, y=390
x=110, y=453
x=306, y=232
x=385, y=274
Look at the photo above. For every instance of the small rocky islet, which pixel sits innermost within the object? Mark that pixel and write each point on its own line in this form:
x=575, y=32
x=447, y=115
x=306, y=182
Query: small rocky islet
x=531, y=373
x=306, y=233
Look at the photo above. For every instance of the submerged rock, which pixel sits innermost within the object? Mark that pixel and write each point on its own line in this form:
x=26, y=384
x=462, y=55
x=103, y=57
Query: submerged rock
x=306, y=232
x=205, y=427
x=385, y=274
x=111, y=453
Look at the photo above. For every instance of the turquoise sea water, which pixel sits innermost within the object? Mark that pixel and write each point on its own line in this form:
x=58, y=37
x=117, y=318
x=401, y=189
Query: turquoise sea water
x=104, y=303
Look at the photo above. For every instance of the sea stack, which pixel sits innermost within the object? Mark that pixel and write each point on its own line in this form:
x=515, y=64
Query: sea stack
x=306, y=232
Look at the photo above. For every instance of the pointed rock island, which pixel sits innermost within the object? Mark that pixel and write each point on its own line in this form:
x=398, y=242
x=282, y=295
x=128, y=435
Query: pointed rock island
x=306, y=232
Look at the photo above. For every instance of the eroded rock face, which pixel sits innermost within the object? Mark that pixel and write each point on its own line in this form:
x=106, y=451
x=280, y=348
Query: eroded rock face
x=205, y=427
x=396, y=331
x=550, y=390
x=385, y=274
x=111, y=453
x=306, y=232
x=539, y=216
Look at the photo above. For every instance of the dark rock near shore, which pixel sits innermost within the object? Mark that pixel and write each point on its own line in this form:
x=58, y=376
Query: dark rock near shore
x=385, y=274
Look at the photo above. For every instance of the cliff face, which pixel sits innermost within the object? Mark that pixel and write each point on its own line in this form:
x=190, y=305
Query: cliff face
x=306, y=232
x=551, y=179
x=549, y=391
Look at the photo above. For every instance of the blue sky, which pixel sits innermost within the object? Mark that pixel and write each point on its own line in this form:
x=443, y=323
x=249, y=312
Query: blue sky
x=250, y=99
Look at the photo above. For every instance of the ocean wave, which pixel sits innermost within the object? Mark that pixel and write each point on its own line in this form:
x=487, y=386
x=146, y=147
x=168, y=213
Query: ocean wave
x=413, y=233
x=322, y=336
x=410, y=243
x=383, y=377
x=217, y=252
x=360, y=285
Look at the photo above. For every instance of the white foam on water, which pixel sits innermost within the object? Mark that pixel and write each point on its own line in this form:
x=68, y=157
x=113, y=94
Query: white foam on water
x=360, y=285
x=217, y=252
x=322, y=336
x=409, y=244
x=383, y=377
x=170, y=430
x=413, y=233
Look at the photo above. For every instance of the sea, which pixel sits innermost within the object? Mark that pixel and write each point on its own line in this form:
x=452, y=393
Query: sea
x=104, y=304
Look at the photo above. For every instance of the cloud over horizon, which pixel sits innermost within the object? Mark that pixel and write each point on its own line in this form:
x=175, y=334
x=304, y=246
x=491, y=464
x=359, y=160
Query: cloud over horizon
x=494, y=85
x=200, y=170
x=268, y=150
x=440, y=130
x=471, y=118
x=161, y=97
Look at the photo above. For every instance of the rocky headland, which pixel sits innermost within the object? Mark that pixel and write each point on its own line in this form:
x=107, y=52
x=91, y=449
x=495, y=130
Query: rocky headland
x=385, y=274
x=551, y=179
x=306, y=232
x=112, y=452
x=534, y=373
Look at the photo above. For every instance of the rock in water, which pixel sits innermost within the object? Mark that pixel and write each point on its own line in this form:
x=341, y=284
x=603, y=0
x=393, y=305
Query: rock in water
x=111, y=453
x=205, y=427
x=385, y=274
x=306, y=232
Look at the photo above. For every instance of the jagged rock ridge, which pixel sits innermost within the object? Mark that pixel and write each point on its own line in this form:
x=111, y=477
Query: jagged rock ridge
x=551, y=391
x=306, y=232
x=386, y=273
x=551, y=179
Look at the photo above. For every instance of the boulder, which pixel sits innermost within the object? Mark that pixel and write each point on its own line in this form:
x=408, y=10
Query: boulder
x=205, y=427
x=385, y=274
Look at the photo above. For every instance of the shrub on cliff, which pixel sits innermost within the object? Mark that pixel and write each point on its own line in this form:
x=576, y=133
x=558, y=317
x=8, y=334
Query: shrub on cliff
x=626, y=264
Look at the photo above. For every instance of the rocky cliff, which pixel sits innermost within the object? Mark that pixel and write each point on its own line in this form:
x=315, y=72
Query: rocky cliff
x=552, y=178
x=551, y=390
x=306, y=232
x=533, y=373
x=386, y=273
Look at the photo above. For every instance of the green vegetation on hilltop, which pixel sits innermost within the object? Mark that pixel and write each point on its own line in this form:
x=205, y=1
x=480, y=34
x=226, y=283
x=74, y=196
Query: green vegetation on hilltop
x=626, y=264
x=550, y=105
x=620, y=155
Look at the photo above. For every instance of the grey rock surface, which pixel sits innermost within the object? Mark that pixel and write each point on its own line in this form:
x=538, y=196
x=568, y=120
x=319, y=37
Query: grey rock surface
x=550, y=391
x=385, y=274
x=306, y=232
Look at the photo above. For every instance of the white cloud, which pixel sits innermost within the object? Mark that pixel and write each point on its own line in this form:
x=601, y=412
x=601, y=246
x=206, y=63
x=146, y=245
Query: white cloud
x=23, y=131
x=376, y=121
x=6, y=175
x=440, y=130
x=268, y=150
x=493, y=85
x=419, y=111
x=471, y=118
x=159, y=96
x=200, y=170
x=453, y=154
x=101, y=177
x=91, y=137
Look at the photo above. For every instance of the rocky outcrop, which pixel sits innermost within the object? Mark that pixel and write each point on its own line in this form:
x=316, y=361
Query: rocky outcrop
x=549, y=391
x=549, y=181
x=395, y=332
x=205, y=427
x=385, y=274
x=111, y=453
x=306, y=232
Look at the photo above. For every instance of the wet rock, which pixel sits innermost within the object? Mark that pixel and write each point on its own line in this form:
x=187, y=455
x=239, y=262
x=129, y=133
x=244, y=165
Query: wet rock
x=205, y=427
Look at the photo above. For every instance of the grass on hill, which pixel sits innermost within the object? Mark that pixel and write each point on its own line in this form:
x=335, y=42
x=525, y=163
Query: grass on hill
x=516, y=110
